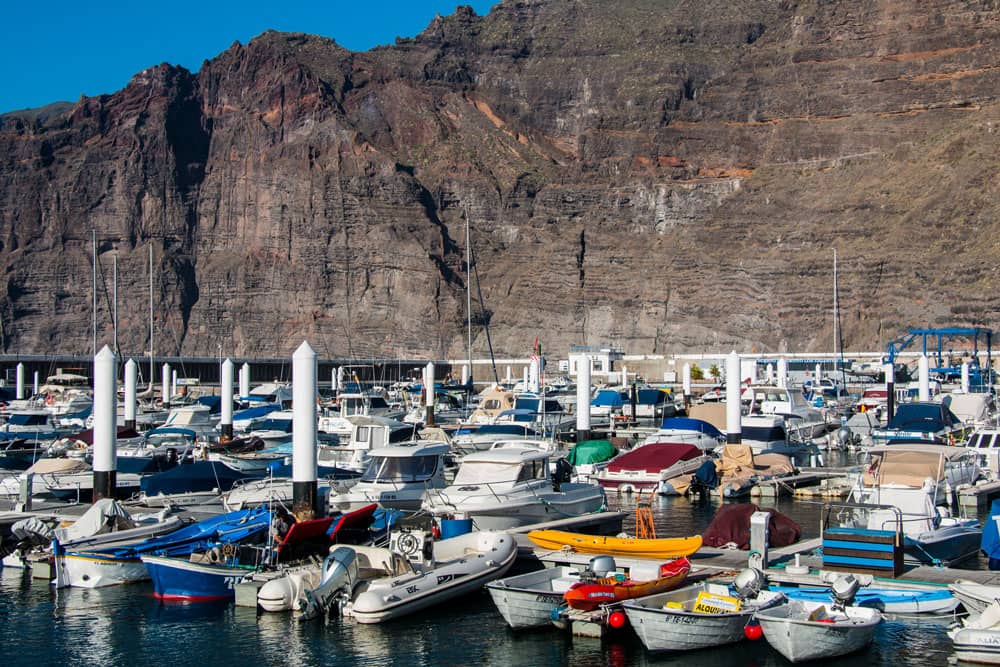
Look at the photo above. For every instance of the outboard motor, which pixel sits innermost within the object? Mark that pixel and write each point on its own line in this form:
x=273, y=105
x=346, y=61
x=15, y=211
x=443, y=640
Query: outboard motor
x=563, y=473
x=844, y=590
x=706, y=478
x=749, y=583
x=600, y=567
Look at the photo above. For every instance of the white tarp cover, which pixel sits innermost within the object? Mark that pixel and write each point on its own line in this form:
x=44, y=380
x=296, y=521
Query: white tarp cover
x=103, y=516
x=46, y=466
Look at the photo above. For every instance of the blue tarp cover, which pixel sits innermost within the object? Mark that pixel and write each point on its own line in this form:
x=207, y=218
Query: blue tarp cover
x=690, y=424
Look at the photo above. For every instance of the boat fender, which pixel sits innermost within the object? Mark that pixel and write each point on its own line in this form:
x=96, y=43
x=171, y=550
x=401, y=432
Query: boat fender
x=753, y=631
x=617, y=620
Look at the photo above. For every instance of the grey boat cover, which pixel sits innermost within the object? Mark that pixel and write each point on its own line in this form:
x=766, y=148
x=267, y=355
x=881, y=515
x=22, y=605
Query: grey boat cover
x=104, y=516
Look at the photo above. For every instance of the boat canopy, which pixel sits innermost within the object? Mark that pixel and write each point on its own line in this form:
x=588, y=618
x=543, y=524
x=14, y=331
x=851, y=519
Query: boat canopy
x=390, y=469
x=591, y=451
x=650, y=396
x=655, y=456
x=255, y=412
x=908, y=466
x=690, y=424
x=608, y=398
x=925, y=417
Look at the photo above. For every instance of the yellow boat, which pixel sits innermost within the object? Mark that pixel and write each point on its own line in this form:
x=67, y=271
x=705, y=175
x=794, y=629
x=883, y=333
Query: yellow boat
x=666, y=547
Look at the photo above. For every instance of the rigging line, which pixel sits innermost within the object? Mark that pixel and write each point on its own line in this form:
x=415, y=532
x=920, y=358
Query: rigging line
x=486, y=324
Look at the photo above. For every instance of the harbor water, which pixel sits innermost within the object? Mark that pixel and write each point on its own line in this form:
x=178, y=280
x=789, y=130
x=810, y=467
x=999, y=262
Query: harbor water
x=126, y=625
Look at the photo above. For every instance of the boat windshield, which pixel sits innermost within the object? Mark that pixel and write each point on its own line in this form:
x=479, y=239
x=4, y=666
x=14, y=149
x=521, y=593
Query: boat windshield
x=486, y=472
x=400, y=469
x=28, y=420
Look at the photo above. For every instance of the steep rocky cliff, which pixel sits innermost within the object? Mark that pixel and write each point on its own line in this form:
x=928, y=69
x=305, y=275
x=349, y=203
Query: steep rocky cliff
x=665, y=175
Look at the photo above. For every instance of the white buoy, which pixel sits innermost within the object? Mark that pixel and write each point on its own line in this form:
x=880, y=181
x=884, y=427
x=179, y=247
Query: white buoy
x=173, y=383
x=131, y=381
x=429, y=393
x=583, y=399
x=20, y=381
x=783, y=373
x=465, y=374
x=533, y=376
x=624, y=377
x=686, y=383
x=35, y=387
x=304, y=427
x=245, y=380
x=226, y=421
x=965, y=377
x=819, y=374
x=165, y=390
x=734, y=430
x=924, y=379
x=105, y=410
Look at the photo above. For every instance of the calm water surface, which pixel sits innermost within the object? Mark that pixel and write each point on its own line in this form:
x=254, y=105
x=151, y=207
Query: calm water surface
x=127, y=626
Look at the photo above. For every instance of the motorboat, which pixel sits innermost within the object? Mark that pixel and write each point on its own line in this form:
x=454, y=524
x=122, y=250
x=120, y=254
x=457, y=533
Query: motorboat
x=590, y=457
x=984, y=442
x=376, y=584
x=364, y=404
x=492, y=401
x=802, y=630
x=908, y=487
x=698, y=432
x=898, y=599
x=805, y=421
x=277, y=485
x=732, y=475
x=398, y=476
x=701, y=615
x=644, y=467
x=508, y=487
x=777, y=434
x=927, y=420
x=604, y=588
x=65, y=478
x=367, y=435
x=478, y=438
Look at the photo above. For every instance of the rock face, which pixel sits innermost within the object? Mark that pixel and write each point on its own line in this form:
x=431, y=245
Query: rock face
x=664, y=176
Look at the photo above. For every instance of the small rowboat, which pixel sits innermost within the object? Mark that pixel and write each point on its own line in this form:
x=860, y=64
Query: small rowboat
x=801, y=630
x=589, y=595
x=662, y=548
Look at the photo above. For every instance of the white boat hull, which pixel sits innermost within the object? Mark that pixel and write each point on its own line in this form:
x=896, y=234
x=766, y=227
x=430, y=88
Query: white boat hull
x=980, y=646
x=787, y=629
x=669, y=629
x=528, y=600
x=974, y=597
x=91, y=572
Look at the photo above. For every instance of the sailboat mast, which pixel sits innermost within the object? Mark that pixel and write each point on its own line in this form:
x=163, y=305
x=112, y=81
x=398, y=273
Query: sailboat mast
x=114, y=272
x=468, y=289
x=151, y=314
x=836, y=305
x=93, y=329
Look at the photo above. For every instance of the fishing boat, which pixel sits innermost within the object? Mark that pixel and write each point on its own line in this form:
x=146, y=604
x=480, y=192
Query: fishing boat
x=528, y=600
x=635, y=547
x=802, y=630
x=590, y=593
x=908, y=600
x=507, y=487
x=213, y=574
x=108, y=566
x=701, y=615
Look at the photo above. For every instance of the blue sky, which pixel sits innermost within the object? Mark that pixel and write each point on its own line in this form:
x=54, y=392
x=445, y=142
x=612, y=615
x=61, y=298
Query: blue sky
x=60, y=50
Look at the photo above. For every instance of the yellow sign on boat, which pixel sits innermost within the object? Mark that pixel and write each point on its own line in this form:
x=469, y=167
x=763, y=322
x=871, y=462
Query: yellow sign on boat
x=712, y=603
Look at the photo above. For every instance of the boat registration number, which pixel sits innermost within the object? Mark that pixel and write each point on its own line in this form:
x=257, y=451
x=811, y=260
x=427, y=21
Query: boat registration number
x=712, y=603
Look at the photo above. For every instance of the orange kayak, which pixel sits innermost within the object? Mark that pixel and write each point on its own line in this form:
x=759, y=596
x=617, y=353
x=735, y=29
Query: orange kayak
x=662, y=548
x=589, y=595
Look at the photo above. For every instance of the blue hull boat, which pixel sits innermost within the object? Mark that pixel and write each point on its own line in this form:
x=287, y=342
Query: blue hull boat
x=886, y=600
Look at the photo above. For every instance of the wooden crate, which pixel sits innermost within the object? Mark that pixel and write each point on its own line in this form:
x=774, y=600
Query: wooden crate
x=877, y=552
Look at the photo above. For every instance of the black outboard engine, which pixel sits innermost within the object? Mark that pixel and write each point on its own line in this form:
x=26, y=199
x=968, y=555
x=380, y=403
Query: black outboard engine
x=563, y=472
x=706, y=478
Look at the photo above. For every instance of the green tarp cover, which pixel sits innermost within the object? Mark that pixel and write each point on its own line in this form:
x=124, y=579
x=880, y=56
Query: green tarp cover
x=591, y=451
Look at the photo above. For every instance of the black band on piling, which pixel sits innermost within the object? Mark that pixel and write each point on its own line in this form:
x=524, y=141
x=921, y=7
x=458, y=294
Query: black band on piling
x=734, y=438
x=582, y=436
x=890, y=400
x=130, y=423
x=429, y=420
x=226, y=431
x=104, y=484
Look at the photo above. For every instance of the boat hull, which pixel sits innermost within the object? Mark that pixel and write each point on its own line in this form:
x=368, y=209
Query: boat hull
x=979, y=646
x=787, y=629
x=678, y=629
x=179, y=579
x=589, y=595
x=528, y=600
x=94, y=571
